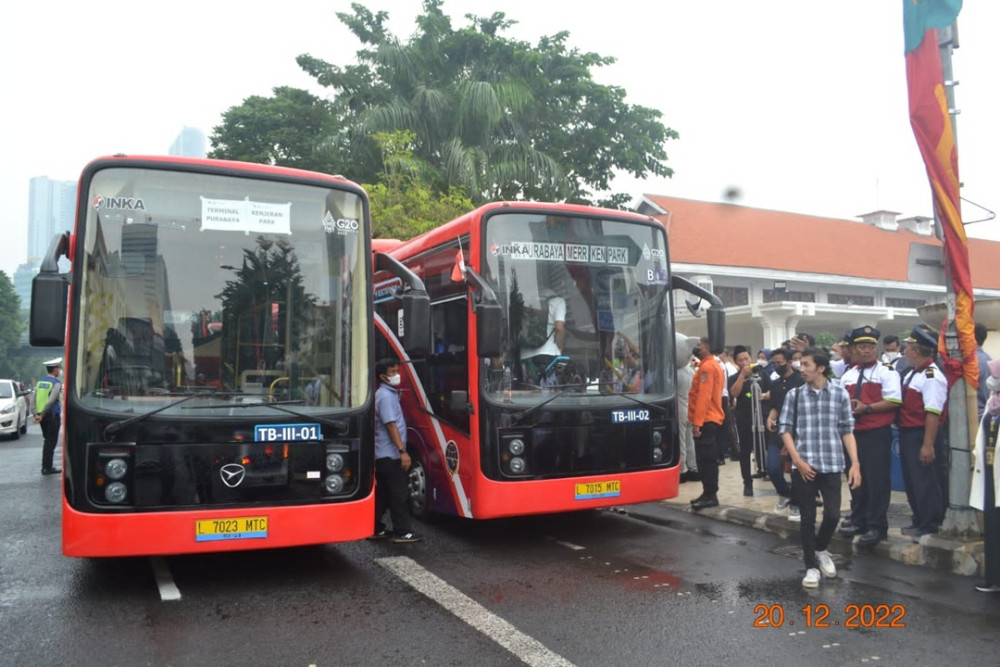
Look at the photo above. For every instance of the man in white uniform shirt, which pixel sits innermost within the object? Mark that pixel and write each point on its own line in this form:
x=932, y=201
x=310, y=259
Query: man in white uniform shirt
x=537, y=360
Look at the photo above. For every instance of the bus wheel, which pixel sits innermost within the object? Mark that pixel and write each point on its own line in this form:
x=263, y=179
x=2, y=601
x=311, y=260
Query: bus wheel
x=418, y=489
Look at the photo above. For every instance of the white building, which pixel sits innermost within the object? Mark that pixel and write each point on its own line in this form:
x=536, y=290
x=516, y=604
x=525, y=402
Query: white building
x=780, y=273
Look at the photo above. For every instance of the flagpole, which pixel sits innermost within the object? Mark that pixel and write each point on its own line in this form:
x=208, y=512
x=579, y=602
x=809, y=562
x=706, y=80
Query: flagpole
x=960, y=518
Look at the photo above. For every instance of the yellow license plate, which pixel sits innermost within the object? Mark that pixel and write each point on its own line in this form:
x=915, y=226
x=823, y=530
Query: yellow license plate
x=611, y=488
x=237, y=528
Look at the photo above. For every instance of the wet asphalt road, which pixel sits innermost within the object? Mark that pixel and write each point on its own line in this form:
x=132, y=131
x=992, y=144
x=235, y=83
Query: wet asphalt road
x=651, y=586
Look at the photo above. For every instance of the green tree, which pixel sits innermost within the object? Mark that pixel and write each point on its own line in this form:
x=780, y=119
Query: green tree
x=402, y=203
x=294, y=128
x=11, y=326
x=501, y=118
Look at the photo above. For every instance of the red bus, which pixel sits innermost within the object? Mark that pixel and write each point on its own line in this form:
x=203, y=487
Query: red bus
x=216, y=320
x=502, y=425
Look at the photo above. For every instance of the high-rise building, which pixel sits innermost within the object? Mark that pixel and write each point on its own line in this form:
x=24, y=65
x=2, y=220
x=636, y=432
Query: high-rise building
x=22, y=281
x=189, y=143
x=50, y=212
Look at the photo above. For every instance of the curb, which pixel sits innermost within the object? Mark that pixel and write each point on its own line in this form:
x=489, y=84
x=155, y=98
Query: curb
x=937, y=552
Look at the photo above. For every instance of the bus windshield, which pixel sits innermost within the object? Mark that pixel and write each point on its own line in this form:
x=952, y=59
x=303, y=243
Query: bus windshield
x=607, y=282
x=234, y=288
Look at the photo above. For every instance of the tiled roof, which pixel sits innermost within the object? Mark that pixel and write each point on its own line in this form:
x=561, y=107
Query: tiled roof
x=730, y=235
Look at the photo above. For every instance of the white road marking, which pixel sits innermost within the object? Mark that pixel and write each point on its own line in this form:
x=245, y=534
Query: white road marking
x=164, y=580
x=525, y=648
x=570, y=545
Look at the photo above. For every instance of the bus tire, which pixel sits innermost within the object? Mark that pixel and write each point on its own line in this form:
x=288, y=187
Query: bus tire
x=418, y=488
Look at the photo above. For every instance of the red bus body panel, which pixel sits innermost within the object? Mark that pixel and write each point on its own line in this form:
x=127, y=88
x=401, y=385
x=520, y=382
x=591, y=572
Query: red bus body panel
x=469, y=493
x=514, y=498
x=170, y=533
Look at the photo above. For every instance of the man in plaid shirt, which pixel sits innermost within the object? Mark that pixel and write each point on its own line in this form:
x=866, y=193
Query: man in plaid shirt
x=816, y=426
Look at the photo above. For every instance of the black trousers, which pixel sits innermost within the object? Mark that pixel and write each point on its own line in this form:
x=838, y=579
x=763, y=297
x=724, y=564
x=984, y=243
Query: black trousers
x=708, y=457
x=50, y=437
x=991, y=530
x=923, y=484
x=870, y=501
x=804, y=492
x=745, y=432
x=391, y=490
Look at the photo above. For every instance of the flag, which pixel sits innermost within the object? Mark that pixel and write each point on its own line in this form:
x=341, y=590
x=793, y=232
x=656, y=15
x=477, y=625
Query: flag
x=458, y=270
x=935, y=136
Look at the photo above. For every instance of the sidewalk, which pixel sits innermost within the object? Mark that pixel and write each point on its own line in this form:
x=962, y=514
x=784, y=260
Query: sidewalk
x=959, y=556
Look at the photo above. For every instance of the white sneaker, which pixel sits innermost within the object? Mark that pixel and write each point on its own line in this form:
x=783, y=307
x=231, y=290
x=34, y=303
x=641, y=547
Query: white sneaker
x=782, y=504
x=794, y=515
x=811, y=580
x=826, y=564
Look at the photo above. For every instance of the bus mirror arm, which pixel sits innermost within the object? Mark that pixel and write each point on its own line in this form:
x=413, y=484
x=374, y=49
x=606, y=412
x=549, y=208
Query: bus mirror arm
x=416, y=304
x=716, y=312
x=49, y=297
x=486, y=293
x=59, y=247
x=384, y=262
x=489, y=317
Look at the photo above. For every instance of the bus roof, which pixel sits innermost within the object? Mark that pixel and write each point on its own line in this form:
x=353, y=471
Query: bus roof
x=176, y=160
x=460, y=225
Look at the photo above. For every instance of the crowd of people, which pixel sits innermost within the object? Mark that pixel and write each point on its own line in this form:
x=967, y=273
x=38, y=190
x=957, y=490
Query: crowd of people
x=809, y=415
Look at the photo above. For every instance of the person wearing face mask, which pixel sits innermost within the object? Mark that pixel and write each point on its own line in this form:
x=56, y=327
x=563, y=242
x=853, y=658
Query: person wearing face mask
x=706, y=417
x=796, y=362
x=787, y=379
x=985, y=492
x=391, y=458
x=891, y=353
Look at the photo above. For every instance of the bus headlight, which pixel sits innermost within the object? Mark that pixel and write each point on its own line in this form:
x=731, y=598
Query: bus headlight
x=334, y=462
x=116, y=492
x=517, y=465
x=657, y=438
x=657, y=454
x=516, y=446
x=334, y=484
x=115, y=468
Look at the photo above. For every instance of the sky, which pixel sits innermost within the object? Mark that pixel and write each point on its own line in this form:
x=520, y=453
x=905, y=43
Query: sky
x=790, y=105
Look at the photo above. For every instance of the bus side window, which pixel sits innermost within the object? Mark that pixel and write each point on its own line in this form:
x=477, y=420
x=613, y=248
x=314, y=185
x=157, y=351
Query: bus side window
x=447, y=364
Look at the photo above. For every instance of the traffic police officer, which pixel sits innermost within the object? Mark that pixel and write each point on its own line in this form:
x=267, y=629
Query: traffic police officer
x=925, y=394
x=875, y=396
x=48, y=411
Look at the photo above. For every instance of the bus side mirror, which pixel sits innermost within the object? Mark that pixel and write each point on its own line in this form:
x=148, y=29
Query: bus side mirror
x=416, y=322
x=489, y=330
x=716, y=327
x=49, y=292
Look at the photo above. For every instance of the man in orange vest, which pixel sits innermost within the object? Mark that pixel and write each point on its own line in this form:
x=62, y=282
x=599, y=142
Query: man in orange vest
x=706, y=417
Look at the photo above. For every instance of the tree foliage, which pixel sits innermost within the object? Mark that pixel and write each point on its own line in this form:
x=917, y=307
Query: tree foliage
x=11, y=325
x=499, y=117
x=10, y=313
x=294, y=128
x=402, y=202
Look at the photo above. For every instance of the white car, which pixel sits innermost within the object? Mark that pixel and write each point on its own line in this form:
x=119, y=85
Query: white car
x=13, y=409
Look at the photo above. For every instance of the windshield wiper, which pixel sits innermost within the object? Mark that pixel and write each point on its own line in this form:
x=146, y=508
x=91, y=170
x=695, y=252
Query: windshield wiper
x=342, y=425
x=646, y=404
x=116, y=426
x=518, y=417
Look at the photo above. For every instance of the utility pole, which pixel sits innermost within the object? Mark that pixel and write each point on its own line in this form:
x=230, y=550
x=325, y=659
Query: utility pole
x=960, y=519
